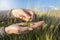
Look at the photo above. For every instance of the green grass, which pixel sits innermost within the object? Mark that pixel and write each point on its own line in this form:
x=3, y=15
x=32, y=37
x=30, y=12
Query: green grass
x=49, y=31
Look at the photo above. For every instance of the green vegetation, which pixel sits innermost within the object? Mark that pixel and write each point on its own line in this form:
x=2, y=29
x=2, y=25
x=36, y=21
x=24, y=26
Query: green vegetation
x=49, y=31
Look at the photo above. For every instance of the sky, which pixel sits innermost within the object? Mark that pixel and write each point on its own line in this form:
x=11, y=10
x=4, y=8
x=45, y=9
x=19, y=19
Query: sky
x=28, y=4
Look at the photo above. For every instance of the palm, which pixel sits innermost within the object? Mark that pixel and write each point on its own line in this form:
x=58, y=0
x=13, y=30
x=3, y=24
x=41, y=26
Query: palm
x=19, y=28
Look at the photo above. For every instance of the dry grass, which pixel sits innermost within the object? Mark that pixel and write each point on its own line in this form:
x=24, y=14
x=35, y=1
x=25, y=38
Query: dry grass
x=49, y=31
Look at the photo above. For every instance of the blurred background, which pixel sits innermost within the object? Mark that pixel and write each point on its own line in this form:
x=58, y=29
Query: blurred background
x=30, y=4
x=49, y=31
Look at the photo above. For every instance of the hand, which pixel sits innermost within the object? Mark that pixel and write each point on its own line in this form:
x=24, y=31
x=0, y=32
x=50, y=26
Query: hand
x=19, y=29
x=26, y=15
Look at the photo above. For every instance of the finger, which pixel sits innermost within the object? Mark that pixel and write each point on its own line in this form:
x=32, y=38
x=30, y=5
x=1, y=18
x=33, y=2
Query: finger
x=20, y=13
x=32, y=14
x=25, y=13
x=37, y=24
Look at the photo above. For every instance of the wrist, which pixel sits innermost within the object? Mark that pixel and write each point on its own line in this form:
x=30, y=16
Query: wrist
x=6, y=30
x=11, y=14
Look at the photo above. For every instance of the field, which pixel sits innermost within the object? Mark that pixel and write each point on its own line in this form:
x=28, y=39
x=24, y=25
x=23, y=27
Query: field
x=49, y=31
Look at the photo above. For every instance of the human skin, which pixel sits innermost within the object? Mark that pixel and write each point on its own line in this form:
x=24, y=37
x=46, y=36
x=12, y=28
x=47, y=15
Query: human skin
x=26, y=15
x=19, y=29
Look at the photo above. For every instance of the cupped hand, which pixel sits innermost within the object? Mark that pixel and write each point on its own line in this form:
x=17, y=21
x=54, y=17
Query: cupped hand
x=26, y=15
x=19, y=29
